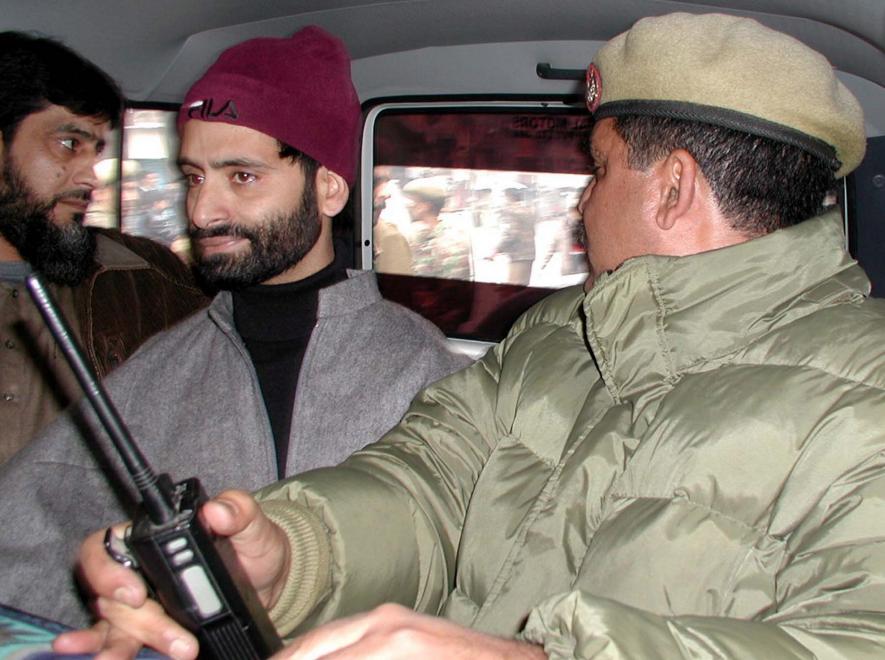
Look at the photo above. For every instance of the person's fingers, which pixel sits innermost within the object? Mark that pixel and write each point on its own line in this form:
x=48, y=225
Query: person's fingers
x=230, y=513
x=148, y=625
x=88, y=640
x=106, y=577
x=101, y=641
x=261, y=547
x=118, y=646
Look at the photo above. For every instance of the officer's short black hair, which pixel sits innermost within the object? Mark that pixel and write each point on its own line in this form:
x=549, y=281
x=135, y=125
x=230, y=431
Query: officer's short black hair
x=760, y=184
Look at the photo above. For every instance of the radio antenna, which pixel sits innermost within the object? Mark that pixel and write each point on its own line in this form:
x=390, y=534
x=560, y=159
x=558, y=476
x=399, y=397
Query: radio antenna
x=156, y=502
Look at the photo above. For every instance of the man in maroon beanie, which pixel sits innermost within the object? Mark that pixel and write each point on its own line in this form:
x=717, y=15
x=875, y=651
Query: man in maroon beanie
x=297, y=362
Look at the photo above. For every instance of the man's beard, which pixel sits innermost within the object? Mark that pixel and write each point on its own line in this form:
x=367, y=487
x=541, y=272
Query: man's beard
x=277, y=243
x=65, y=254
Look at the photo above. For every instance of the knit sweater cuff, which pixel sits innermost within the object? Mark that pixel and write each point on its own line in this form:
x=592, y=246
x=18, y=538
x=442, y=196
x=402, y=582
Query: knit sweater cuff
x=309, y=575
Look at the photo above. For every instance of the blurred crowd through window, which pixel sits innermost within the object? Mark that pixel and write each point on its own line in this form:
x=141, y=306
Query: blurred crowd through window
x=143, y=188
x=479, y=225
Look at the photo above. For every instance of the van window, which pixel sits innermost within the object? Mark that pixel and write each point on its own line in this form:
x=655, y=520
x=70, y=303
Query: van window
x=142, y=185
x=153, y=191
x=473, y=209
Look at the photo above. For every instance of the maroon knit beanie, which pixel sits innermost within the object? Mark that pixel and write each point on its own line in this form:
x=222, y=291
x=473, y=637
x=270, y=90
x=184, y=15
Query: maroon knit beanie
x=295, y=89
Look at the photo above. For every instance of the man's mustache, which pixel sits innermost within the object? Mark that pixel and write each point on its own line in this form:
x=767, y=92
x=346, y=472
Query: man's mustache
x=78, y=195
x=227, y=229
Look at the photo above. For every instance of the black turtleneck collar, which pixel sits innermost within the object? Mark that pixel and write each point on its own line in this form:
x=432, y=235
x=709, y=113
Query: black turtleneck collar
x=275, y=311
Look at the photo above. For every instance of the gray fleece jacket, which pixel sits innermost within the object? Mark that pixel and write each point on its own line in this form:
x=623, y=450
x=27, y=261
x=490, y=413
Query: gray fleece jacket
x=192, y=400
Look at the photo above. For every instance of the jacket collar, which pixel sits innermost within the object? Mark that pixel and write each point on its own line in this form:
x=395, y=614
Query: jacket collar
x=359, y=290
x=655, y=317
x=112, y=255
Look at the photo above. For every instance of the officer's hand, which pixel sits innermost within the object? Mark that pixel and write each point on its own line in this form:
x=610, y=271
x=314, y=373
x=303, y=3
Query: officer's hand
x=128, y=619
x=392, y=632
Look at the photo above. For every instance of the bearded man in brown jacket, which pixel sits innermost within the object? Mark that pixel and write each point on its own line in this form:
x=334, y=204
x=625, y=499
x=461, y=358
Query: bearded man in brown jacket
x=56, y=110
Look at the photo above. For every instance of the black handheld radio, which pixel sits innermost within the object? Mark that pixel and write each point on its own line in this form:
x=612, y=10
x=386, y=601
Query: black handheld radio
x=194, y=574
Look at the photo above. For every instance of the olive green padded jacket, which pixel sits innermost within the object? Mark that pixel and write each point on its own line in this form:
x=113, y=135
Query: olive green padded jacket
x=689, y=461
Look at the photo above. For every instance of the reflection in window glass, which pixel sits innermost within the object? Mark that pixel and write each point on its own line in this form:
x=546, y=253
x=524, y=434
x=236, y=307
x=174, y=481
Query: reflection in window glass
x=152, y=192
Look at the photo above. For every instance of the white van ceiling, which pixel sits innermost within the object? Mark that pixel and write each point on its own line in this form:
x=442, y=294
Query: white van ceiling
x=157, y=49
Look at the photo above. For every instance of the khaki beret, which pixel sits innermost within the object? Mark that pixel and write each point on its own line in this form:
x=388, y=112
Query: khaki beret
x=731, y=72
x=430, y=187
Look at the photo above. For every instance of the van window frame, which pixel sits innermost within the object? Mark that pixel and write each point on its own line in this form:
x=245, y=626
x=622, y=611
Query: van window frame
x=560, y=104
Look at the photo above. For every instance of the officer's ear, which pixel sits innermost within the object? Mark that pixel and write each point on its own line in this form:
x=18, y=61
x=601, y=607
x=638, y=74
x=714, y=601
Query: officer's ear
x=677, y=187
x=332, y=192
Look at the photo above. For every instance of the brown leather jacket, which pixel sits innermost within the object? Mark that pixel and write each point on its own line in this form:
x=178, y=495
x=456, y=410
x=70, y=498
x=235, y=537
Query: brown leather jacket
x=137, y=288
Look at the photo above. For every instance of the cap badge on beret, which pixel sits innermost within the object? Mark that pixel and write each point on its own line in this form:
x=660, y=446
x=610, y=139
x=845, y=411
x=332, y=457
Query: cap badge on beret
x=206, y=109
x=593, y=90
